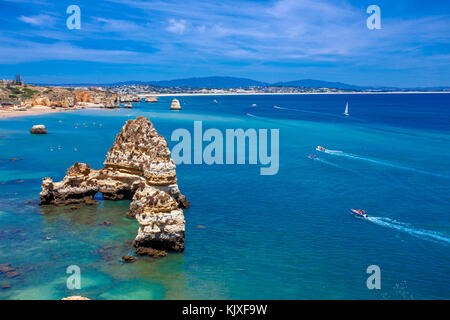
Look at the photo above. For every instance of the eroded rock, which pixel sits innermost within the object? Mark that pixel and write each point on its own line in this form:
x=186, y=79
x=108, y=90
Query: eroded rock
x=38, y=129
x=128, y=259
x=138, y=167
x=151, y=99
x=5, y=268
x=175, y=105
x=144, y=251
x=12, y=274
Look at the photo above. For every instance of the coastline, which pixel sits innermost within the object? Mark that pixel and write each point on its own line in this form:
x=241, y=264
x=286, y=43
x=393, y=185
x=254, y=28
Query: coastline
x=282, y=93
x=37, y=111
x=100, y=234
x=6, y=114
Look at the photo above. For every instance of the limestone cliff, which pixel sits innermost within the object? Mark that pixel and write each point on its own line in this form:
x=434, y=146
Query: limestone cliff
x=29, y=96
x=137, y=167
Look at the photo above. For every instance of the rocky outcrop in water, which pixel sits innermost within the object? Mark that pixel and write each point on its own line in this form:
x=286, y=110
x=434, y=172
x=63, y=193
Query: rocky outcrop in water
x=130, y=98
x=137, y=167
x=175, y=105
x=151, y=99
x=38, y=129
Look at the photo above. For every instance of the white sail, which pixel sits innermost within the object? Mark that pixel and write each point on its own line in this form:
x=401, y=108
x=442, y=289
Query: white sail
x=346, y=110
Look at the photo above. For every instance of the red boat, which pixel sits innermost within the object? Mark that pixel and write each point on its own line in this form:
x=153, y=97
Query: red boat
x=319, y=148
x=359, y=213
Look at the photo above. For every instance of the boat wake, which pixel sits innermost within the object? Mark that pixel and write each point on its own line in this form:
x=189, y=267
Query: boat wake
x=383, y=163
x=332, y=164
x=407, y=228
x=309, y=111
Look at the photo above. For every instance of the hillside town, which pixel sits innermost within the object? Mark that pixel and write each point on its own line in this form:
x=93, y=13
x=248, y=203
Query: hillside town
x=156, y=90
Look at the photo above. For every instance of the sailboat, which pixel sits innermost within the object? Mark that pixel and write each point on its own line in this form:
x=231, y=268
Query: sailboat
x=346, y=110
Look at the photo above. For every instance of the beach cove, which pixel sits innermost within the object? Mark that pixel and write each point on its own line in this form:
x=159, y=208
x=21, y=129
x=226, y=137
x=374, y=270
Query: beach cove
x=284, y=236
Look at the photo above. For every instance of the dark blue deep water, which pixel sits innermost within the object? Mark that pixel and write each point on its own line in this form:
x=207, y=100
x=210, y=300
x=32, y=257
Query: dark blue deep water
x=285, y=236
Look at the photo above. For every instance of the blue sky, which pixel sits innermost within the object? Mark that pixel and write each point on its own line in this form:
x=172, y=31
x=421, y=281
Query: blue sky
x=277, y=40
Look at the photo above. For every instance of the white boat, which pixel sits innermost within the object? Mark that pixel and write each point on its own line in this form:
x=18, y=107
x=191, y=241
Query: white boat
x=346, y=110
x=359, y=213
x=319, y=148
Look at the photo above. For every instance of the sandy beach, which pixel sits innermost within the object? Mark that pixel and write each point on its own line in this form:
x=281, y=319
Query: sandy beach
x=39, y=110
x=11, y=113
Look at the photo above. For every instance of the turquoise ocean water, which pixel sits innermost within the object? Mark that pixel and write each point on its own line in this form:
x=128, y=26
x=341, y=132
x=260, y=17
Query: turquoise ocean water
x=286, y=236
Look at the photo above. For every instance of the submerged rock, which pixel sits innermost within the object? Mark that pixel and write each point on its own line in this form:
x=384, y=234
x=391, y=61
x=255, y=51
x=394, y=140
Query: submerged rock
x=12, y=274
x=128, y=259
x=138, y=167
x=143, y=251
x=90, y=202
x=175, y=105
x=4, y=268
x=38, y=129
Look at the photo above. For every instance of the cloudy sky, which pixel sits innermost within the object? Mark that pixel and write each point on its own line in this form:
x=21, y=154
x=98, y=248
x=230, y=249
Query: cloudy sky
x=275, y=40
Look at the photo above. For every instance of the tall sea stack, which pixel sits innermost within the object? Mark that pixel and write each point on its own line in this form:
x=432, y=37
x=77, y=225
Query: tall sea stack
x=175, y=105
x=137, y=167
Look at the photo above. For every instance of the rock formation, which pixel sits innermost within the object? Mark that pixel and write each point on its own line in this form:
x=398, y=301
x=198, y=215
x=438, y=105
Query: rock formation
x=38, y=129
x=30, y=96
x=137, y=167
x=175, y=105
x=151, y=99
x=130, y=98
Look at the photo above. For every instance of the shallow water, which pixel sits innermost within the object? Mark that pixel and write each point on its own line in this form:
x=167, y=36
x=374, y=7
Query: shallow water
x=287, y=236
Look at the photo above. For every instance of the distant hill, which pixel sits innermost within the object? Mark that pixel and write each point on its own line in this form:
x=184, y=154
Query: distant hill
x=233, y=82
x=202, y=82
x=210, y=82
x=310, y=83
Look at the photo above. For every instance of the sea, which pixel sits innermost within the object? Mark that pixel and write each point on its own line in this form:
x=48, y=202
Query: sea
x=248, y=236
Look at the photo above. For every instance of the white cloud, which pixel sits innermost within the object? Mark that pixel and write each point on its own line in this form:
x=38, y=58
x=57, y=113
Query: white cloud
x=250, y=32
x=42, y=20
x=176, y=26
x=116, y=25
x=15, y=51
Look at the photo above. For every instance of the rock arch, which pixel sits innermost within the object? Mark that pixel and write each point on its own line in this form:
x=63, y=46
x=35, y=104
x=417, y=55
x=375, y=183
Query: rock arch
x=137, y=167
